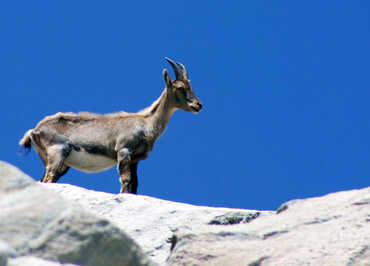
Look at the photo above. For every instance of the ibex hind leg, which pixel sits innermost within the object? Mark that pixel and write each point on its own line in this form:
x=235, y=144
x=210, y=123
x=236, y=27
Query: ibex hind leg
x=55, y=167
x=56, y=175
x=40, y=149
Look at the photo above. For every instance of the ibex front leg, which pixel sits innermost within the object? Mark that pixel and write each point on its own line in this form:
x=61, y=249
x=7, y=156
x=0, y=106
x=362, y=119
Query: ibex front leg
x=124, y=169
x=134, y=179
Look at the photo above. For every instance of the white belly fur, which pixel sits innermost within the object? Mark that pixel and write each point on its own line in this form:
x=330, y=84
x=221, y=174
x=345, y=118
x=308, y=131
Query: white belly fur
x=87, y=162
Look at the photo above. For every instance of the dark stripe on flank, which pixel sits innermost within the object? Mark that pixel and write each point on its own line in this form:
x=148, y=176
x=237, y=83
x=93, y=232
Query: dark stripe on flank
x=98, y=149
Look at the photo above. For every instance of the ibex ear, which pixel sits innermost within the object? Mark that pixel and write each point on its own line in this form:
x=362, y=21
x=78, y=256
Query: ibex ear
x=167, y=79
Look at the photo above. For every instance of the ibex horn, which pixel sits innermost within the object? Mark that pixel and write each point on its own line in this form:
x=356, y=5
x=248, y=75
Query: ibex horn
x=178, y=73
x=183, y=70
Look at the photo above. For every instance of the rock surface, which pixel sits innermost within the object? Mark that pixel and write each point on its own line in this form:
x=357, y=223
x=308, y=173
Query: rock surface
x=329, y=230
x=34, y=261
x=36, y=222
x=151, y=222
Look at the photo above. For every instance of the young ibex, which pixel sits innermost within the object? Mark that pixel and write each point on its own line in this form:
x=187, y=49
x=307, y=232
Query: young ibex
x=93, y=143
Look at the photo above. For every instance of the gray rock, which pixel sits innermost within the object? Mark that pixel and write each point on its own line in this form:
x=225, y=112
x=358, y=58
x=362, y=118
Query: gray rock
x=151, y=222
x=34, y=261
x=35, y=221
x=234, y=218
x=5, y=252
x=329, y=230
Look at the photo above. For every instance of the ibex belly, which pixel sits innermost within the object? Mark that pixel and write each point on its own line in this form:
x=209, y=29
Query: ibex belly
x=89, y=162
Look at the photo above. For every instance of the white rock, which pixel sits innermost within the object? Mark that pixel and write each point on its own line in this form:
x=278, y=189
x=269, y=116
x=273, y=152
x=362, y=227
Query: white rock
x=36, y=221
x=329, y=230
x=5, y=252
x=34, y=261
x=150, y=221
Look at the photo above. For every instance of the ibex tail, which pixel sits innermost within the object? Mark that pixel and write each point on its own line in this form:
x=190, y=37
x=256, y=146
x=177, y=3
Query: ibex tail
x=26, y=142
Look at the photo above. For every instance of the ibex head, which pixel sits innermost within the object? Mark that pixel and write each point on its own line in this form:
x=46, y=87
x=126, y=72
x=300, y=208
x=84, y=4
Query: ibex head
x=180, y=90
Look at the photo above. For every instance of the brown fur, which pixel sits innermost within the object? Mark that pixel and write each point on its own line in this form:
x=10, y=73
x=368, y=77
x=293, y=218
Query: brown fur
x=94, y=142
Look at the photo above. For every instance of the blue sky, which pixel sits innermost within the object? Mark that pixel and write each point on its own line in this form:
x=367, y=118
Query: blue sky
x=285, y=87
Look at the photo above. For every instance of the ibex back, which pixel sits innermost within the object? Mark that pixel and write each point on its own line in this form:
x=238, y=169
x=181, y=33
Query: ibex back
x=93, y=143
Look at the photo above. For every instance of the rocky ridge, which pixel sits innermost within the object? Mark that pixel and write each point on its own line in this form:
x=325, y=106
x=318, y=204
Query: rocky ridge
x=38, y=227
x=329, y=230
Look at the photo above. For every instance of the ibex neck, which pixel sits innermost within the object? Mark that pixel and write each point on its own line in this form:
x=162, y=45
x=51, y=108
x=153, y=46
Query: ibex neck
x=158, y=115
